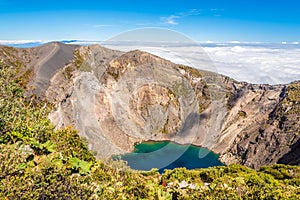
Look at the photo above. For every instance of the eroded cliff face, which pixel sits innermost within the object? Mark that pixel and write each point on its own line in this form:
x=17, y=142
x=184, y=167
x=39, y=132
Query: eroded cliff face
x=129, y=98
x=274, y=139
x=117, y=99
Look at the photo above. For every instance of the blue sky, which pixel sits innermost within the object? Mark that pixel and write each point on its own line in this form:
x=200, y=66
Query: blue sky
x=202, y=20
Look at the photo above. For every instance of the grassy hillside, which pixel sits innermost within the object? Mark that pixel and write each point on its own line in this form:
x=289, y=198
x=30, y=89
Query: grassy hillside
x=38, y=162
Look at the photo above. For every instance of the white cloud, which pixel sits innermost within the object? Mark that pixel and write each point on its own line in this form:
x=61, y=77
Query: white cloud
x=235, y=42
x=217, y=9
x=273, y=64
x=12, y=42
x=172, y=19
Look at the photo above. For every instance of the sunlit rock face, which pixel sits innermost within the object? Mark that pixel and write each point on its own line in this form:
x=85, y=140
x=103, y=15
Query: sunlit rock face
x=119, y=99
x=116, y=99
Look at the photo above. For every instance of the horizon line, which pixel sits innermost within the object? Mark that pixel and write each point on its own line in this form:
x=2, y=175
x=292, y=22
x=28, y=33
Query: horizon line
x=28, y=41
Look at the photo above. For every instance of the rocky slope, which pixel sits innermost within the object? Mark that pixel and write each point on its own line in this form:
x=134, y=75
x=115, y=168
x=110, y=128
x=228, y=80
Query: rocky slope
x=275, y=139
x=116, y=99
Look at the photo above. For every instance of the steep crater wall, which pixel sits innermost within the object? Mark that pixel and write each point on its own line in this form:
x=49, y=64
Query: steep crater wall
x=117, y=99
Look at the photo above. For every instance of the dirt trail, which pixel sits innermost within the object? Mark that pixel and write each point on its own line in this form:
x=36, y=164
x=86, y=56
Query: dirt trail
x=45, y=59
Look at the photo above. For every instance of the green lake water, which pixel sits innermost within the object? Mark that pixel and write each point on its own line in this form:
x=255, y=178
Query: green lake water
x=169, y=155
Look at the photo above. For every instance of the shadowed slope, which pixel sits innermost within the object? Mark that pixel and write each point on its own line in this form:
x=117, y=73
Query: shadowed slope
x=52, y=57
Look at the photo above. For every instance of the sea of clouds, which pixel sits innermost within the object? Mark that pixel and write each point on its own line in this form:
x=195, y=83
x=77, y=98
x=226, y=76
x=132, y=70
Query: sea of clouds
x=257, y=63
x=271, y=63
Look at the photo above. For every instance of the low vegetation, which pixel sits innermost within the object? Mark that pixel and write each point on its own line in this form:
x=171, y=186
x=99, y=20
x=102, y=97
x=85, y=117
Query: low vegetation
x=39, y=162
x=288, y=111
